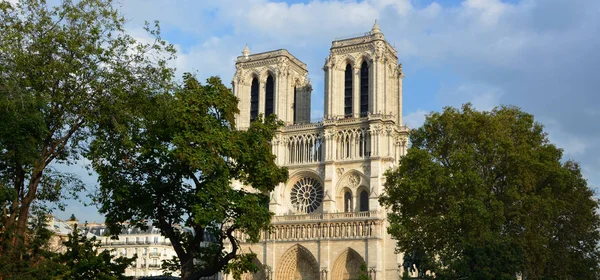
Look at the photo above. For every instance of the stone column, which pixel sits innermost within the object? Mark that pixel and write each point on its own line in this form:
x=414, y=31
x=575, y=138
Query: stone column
x=356, y=92
x=399, y=92
x=327, y=93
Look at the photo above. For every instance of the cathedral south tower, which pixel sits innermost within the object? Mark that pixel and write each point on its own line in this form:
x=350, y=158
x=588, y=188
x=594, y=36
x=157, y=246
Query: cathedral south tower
x=328, y=220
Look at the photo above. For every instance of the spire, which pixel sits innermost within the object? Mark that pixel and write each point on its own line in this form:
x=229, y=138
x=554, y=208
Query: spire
x=246, y=51
x=375, y=28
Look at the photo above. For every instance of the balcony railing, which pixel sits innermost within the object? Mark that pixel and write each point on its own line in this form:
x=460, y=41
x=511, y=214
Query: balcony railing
x=119, y=243
x=154, y=266
x=326, y=216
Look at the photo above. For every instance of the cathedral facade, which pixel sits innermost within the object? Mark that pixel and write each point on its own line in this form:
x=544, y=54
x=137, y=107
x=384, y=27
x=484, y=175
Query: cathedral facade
x=328, y=221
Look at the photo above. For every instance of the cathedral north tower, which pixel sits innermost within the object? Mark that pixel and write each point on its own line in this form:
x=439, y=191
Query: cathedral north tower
x=273, y=82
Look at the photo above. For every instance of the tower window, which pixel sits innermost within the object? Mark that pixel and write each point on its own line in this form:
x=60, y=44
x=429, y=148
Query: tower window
x=348, y=91
x=295, y=106
x=269, y=96
x=364, y=89
x=364, y=201
x=254, y=99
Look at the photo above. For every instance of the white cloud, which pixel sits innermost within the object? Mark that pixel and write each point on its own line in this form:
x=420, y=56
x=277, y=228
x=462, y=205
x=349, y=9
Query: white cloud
x=483, y=97
x=415, y=119
x=487, y=12
x=539, y=55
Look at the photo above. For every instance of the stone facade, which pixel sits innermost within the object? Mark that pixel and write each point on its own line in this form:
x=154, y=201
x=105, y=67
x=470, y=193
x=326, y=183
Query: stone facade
x=328, y=220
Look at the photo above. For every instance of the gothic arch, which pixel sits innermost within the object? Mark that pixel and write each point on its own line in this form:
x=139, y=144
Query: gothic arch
x=297, y=263
x=347, y=265
x=251, y=75
x=362, y=198
x=348, y=59
x=365, y=57
x=266, y=73
x=302, y=173
x=343, y=199
x=352, y=179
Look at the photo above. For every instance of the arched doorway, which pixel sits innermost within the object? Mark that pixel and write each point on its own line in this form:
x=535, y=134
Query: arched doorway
x=297, y=264
x=347, y=266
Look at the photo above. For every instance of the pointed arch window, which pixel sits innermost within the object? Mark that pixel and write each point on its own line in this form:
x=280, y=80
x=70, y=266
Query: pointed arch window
x=347, y=202
x=269, y=96
x=254, y=99
x=295, y=105
x=364, y=201
x=364, y=89
x=348, y=91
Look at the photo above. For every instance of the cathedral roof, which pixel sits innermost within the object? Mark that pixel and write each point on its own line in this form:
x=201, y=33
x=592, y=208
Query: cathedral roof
x=269, y=55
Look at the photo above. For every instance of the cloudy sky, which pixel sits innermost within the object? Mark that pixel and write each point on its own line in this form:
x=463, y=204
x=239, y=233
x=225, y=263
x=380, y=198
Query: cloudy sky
x=540, y=55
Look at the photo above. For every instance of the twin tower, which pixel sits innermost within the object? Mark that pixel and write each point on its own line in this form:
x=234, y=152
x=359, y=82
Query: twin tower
x=328, y=220
x=362, y=77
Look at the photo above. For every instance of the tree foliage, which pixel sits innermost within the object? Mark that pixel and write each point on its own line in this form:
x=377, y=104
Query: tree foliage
x=490, y=197
x=181, y=161
x=37, y=260
x=83, y=260
x=65, y=71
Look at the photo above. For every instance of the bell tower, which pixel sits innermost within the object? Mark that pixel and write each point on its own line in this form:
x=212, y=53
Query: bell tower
x=273, y=82
x=363, y=77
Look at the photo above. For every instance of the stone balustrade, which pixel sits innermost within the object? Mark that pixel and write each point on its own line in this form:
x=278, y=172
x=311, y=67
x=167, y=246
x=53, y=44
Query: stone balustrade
x=327, y=226
x=326, y=217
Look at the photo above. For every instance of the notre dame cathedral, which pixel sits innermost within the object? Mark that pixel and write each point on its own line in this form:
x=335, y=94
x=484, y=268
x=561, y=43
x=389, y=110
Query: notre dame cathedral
x=328, y=220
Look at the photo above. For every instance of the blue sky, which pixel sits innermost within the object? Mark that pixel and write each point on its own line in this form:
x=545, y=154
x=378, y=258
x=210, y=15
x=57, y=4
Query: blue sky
x=539, y=55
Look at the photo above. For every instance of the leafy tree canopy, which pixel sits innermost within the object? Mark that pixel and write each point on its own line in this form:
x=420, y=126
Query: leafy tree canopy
x=83, y=260
x=490, y=197
x=181, y=161
x=65, y=71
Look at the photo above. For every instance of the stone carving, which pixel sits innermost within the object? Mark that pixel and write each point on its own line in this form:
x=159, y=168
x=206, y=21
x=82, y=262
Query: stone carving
x=339, y=172
x=314, y=231
x=347, y=265
x=321, y=171
x=353, y=180
x=366, y=169
x=297, y=263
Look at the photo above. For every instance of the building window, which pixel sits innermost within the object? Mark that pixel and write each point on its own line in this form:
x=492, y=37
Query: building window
x=254, y=99
x=269, y=96
x=295, y=106
x=347, y=201
x=155, y=240
x=348, y=91
x=364, y=89
x=364, y=201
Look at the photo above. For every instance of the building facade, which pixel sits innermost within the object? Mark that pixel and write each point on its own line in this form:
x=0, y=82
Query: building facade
x=328, y=220
x=149, y=245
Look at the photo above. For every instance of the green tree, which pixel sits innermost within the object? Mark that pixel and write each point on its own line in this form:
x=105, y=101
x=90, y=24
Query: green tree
x=65, y=71
x=363, y=274
x=36, y=260
x=489, y=197
x=183, y=162
x=83, y=261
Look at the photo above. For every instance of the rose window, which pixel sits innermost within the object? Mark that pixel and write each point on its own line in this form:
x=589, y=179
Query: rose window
x=307, y=195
